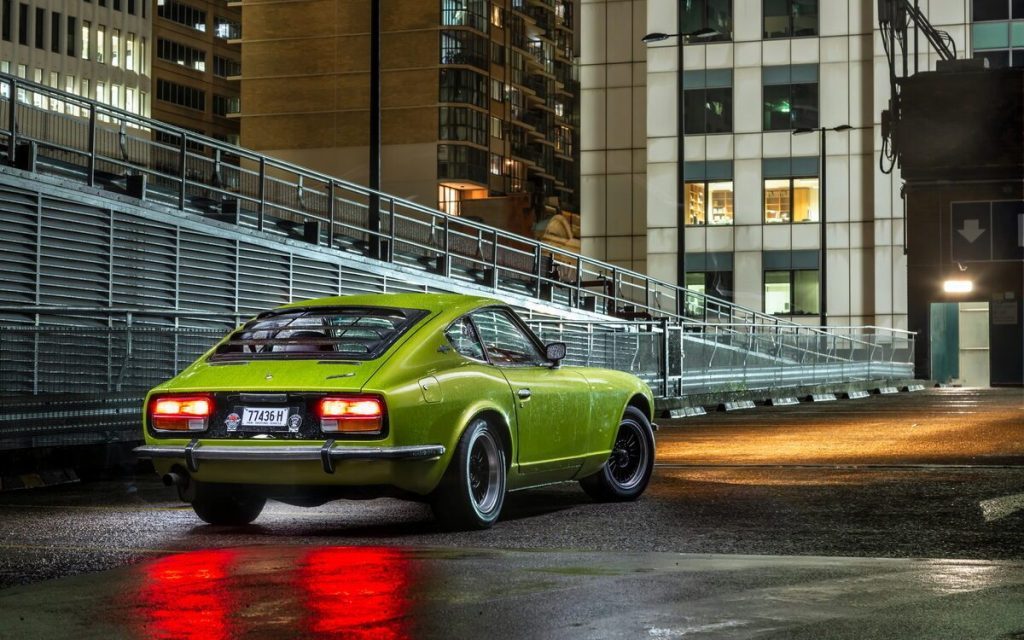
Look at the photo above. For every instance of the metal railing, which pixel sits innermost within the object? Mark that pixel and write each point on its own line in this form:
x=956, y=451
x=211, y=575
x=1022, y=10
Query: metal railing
x=47, y=130
x=142, y=348
x=63, y=384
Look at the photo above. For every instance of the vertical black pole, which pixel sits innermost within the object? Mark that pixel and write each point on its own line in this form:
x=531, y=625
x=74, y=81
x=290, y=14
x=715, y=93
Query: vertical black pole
x=373, y=220
x=680, y=173
x=823, y=267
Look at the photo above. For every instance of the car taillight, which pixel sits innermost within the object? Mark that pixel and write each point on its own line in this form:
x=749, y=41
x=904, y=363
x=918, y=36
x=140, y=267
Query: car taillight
x=352, y=414
x=180, y=413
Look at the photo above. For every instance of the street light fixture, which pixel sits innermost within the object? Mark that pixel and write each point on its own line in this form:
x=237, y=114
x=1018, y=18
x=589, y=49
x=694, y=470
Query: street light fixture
x=684, y=37
x=822, y=243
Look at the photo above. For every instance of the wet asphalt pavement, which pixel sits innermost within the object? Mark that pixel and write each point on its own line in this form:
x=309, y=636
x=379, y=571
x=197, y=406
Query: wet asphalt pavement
x=896, y=516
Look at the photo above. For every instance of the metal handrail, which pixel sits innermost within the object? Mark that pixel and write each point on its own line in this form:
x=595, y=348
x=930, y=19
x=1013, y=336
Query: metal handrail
x=264, y=183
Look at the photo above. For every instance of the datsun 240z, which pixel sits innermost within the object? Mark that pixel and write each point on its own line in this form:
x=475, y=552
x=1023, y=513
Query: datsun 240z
x=443, y=398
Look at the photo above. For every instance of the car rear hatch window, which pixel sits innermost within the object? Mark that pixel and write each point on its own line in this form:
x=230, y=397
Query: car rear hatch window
x=331, y=333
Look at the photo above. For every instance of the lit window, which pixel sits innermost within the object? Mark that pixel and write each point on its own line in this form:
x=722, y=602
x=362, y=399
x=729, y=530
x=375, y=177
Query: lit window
x=793, y=292
x=101, y=36
x=790, y=200
x=709, y=202
x=86, y=32
x=115, y=47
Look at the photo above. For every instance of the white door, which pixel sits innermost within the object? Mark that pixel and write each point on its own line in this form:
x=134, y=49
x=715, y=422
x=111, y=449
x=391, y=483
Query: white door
x=974, y=367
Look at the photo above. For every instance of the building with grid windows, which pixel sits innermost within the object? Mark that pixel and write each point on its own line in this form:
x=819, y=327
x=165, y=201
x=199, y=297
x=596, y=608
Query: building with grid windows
x=736, y=202
x=95, y=49
x=196, y=64
x=478, y=101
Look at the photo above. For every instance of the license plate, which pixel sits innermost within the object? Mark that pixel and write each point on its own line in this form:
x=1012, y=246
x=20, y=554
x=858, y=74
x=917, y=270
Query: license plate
x=264, y=417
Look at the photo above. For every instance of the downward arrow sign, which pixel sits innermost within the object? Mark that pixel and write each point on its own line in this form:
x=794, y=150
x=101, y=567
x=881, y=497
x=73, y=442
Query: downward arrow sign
x=971, y=231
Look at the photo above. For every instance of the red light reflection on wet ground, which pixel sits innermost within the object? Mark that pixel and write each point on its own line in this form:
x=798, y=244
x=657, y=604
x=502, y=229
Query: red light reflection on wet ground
x=188, y=596
x=355, y=592
x=290, y=592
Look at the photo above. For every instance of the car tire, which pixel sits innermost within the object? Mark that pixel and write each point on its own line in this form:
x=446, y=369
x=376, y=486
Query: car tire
x=226, y=504
x=628, y=470
x=472, y=492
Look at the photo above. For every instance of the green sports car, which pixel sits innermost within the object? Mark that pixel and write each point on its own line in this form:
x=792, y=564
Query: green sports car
x=445, y=398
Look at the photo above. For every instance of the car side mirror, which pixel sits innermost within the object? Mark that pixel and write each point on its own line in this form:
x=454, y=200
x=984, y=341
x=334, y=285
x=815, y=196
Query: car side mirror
x=555, y=352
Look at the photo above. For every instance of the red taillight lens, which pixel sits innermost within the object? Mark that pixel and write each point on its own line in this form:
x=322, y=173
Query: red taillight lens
x=352, y=414
x=180, y=413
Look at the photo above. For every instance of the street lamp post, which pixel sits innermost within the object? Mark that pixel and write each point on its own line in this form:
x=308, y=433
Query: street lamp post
x=699, y=34
x=822, y=219
x=373, y=212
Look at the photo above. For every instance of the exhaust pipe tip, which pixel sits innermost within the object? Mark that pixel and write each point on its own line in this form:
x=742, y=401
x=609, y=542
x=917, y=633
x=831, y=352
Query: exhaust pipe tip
x=174, y=479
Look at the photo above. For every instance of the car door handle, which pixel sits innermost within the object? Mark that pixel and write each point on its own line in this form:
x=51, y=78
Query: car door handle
x=523, y=394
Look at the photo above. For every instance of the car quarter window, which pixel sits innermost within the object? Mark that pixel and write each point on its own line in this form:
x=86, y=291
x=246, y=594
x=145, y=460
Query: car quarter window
x=463, y=337
x=506, y=343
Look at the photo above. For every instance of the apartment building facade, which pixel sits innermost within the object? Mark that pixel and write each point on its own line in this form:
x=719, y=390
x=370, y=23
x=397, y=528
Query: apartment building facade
x=746, y=224
x=478, y=99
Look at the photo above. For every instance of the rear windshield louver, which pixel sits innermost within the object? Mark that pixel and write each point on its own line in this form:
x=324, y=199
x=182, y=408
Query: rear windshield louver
x=332, y=333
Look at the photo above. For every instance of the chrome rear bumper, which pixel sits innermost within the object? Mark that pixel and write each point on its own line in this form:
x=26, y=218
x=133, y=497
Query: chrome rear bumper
x=327, y=454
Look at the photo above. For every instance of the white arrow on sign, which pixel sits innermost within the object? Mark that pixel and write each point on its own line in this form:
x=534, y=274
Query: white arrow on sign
x=972, y=230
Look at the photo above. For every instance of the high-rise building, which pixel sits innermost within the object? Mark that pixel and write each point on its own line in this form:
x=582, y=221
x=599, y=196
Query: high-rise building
x=95, y=49
x=478, y=101
x=746, y=224
x=196, y=64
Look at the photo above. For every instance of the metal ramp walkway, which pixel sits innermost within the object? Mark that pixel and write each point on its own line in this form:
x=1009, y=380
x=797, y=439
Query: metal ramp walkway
x=127, y=246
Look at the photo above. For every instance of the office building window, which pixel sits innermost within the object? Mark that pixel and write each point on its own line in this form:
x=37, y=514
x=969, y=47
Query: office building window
x=6, y=28
x=180, y=54
x=181, y=95
x=497, y=128
x=182, y=14
x=790, y=97
x=791, y=199
x=101, y=39
x=23, y=24
x=131, y=7
x=72, y=34
x=497, y=53
x=790, y=18
x=708, y=190
x=707, y=97
x=129, y=100
x=86, y=38
x=707, y=14
x=495, y=164
x=115, y=47
x=984, y=10
x=55, y=24
x=707, y=274
x=709, y=203
x=497, y=16
x=791, y=292
x=129, y=52
x=463, y=85
x=465, y=13
x=40, y=26
x=998, y=33
x=69, y=86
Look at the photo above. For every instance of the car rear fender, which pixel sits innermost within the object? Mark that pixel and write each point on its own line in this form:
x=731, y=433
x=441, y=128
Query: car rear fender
x=496, y=416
